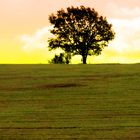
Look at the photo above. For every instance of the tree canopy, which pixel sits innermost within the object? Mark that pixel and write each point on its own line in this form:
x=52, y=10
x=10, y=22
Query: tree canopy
x=80, y=31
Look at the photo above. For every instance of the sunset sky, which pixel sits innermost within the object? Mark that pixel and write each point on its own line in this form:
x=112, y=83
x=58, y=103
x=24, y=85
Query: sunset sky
x=24, y=30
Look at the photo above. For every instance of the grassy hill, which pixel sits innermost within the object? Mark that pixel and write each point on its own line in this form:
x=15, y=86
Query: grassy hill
x=70, y=102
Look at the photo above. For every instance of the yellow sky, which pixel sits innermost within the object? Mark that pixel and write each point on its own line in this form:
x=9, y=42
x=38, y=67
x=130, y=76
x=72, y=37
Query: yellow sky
x=24, y=30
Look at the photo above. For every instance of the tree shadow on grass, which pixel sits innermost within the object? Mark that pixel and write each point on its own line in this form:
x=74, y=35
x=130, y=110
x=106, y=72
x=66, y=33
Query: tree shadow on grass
x=41, y=87
x=62, y=85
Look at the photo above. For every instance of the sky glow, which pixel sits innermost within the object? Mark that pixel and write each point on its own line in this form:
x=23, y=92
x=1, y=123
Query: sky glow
x=24, y=30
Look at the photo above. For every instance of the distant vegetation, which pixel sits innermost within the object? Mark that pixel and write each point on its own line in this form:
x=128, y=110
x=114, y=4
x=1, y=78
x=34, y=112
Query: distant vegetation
x=60, y=59
x=80, y=31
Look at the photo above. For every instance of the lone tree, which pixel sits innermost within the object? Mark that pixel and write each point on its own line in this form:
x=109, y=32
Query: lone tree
x=80, y=31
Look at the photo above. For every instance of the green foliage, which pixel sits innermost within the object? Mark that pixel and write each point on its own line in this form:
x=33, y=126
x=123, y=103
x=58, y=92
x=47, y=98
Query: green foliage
x=80, y=31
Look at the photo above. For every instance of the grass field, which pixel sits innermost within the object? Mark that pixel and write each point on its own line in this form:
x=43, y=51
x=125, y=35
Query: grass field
x=70, y=102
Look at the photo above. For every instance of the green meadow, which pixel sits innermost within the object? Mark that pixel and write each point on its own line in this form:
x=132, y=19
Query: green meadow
x=70, y=102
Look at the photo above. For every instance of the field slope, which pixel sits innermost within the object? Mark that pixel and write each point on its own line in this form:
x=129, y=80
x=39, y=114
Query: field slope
x=70, y=102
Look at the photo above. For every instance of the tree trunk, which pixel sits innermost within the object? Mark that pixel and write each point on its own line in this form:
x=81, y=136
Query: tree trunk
x=84, y=59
